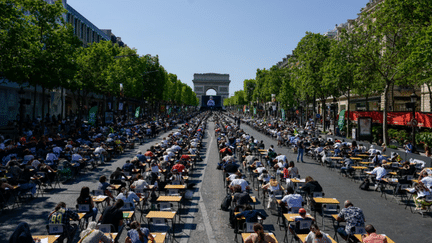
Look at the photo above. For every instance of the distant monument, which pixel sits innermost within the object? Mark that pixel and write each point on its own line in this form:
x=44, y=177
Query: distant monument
x=205, y=81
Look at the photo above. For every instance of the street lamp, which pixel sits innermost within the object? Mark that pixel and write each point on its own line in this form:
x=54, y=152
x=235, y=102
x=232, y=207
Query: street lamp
x=413, y=98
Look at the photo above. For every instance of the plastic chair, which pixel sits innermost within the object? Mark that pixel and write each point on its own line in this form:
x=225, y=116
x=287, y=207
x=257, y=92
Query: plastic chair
x=327, y=210
x=165, y=206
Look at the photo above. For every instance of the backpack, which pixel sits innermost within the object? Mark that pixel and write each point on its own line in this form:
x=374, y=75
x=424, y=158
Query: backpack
x=365, y=185
x=226, y=202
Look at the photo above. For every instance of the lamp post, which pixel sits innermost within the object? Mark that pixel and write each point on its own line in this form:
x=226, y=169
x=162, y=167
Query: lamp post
x=413, y=98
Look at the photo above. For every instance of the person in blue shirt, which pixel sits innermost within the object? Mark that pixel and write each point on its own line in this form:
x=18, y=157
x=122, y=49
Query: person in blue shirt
x=250, y=215
x=408, y=147
x=128, y=167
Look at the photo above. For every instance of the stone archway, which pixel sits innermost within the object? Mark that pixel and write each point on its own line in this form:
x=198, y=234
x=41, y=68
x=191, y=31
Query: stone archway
x=206, y=81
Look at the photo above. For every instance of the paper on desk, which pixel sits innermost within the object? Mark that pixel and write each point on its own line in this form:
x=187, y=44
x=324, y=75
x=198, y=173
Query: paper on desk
x=44, y=240
x=302, y=180
x=101, y=197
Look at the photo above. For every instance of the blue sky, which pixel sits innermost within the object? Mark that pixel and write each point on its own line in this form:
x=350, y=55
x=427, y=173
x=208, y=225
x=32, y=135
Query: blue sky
x=235, y=37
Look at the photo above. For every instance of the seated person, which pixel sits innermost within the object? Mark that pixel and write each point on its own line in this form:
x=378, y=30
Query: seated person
x=272, y=186
x=128, y=166
x=421, y=191
x=311, y=186
x=316, y=235
x=103, y=185
x=294, y=228
x=137, y=234
x=176, y=178
x=21, y=234
x=140, y=183
x=128, y=197
x=239, y=181
x=250, y=214
x=259, y=235
x=113, y=215
x=230, y=167
x=372, y=236
x=85, y=198
x=117, y=177
x=291, y=200
x=93, y=234
x=380, y=173
x=241, y=198
x=63, y=215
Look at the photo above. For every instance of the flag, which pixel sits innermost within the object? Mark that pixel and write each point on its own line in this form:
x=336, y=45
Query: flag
x=254, y=111
x=92, y=115
x=137, y=112
x=244, y=109
x=341, y=119
x=283, y=114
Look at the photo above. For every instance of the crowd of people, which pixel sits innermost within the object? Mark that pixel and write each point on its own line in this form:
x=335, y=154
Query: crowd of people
x=164, y=163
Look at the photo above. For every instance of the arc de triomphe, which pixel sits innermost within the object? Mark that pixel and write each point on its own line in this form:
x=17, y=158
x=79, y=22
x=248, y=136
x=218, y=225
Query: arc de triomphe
x=205, y=81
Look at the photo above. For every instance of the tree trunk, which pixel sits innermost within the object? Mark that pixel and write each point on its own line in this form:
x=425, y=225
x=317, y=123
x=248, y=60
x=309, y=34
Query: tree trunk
x=34, y=102
x=367, y=102
x=324, y=108
x=385, y=135
x=430, y=97
x=347, y=113
x=62, y=103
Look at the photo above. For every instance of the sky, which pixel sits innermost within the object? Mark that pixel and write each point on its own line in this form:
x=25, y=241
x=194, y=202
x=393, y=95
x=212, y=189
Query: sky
x=234, y=37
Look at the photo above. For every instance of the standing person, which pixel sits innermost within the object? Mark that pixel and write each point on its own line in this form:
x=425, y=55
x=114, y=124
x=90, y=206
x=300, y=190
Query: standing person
x=85, y=198
x=353, y=216
x=113, y=215
x=300, y=146
x=137, y=234
x=63, y=215
x=259, y=235
x=372, y=236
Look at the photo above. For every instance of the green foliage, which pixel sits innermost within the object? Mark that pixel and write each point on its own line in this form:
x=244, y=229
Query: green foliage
x=400, y=135
x=424, y=138
x=377, y=133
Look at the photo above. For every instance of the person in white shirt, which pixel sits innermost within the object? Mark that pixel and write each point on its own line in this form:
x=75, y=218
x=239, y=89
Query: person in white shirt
x=380, y=173
x=315, y=235
x=128, y=197
x=57, y=150
x=51, y=156
x=140, y=183
x=292, y=200
x=238, y=181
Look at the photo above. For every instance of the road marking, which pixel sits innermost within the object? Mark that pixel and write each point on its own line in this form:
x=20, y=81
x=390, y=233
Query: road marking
x=208, y=229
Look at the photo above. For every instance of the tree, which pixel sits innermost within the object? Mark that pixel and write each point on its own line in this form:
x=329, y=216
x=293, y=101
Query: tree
x=383, y=47
x=310, y=55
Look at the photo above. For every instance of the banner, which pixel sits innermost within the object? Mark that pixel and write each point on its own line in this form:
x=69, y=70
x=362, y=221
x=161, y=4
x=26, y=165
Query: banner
x=169, y=110
x=254, y=111
x=162, y=108
x=92, y=115
x=244, y=109
x=137, y=112
x=283, y=114
x=120, y=106
x=341, y=119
